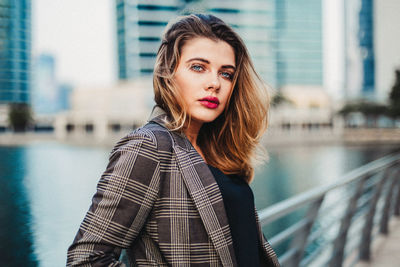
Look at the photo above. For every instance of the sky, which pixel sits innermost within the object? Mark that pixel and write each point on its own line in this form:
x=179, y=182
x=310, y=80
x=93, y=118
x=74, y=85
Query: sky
x=81, y=36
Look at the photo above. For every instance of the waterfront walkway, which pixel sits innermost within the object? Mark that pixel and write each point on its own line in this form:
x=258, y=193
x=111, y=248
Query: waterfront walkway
x=386, y=248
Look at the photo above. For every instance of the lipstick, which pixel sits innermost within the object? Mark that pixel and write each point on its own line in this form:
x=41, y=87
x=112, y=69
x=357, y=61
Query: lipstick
x=210, y=102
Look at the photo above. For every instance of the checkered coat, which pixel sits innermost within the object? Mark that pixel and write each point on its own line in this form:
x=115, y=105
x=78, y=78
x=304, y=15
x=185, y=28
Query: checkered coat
x=158, y=200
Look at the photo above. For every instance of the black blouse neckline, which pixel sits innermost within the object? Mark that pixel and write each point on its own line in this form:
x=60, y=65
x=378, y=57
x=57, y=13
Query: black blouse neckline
x=239, y=206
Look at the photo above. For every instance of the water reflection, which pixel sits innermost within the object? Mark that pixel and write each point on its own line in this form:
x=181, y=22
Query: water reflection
x=296, y=169
x=16, y=241
x=60, y=182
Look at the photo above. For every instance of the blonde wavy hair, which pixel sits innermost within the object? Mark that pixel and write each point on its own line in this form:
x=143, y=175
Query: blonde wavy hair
x=230, y=141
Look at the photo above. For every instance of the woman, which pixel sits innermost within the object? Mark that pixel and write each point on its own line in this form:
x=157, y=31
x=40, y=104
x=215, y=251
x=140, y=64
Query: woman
x=175, y=191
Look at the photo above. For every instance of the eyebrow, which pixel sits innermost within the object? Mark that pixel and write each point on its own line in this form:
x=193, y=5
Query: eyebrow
x=208, y=62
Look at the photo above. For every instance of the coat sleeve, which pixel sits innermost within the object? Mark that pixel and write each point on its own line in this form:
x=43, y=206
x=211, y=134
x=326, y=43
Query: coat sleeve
x=123, y=200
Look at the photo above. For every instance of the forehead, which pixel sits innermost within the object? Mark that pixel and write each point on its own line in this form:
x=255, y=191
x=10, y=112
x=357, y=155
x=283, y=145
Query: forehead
x=216, y=51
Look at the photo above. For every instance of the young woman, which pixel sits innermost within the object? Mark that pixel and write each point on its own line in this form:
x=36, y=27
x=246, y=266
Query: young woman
x=175, y=191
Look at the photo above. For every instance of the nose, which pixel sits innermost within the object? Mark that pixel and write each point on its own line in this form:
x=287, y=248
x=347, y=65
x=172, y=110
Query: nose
x=214, y=82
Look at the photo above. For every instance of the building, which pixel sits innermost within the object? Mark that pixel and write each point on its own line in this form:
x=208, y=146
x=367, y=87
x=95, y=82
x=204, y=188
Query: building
x=140, y=25
x=298, y=43
x=48, y=95
x=44, y=90
x=386, y=45
x=254, y=20
x=15, y=51
x=139, y=28
x=64, y=95
x=105, y=113
x=366, y=43
x=284, y=38
x=359, y=67
x=310, y=109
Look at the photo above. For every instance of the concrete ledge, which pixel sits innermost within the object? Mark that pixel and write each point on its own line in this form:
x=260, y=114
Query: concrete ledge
x=271, y=138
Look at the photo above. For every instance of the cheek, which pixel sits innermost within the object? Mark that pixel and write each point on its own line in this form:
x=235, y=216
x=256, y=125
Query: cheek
x=183, y=87
x=186, y=84
x=227, y=94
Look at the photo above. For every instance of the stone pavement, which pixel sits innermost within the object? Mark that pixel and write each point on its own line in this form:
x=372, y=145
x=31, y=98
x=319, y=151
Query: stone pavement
x=386, y=249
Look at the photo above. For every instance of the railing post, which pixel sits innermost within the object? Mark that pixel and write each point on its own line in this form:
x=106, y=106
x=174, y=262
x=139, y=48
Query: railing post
x=384, y=228
x=300, y=240
x=397, y=204
x=340, y=242
x=365, y=244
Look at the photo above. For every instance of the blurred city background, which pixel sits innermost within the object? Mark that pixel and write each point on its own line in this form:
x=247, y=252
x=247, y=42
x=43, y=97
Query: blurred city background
x=75, y=76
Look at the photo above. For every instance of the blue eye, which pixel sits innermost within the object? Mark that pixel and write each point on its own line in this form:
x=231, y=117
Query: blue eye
x=197, y=68
x=227, y=75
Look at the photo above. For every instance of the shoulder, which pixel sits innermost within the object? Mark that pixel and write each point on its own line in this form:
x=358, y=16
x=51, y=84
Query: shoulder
x=151, y=136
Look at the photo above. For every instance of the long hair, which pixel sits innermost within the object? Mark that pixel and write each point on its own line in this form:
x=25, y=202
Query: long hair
x=230, y=141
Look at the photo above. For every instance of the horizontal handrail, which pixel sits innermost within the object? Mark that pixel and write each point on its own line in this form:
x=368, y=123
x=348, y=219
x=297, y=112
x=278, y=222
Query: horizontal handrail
x=368, y=183
x=279, y=238
x=284, y=207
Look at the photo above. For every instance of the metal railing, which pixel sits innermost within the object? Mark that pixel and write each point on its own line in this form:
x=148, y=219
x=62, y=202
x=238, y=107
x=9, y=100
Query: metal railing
x=334, y=225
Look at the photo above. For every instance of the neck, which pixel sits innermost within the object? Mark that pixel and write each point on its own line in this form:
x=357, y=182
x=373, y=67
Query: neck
x=192, y=132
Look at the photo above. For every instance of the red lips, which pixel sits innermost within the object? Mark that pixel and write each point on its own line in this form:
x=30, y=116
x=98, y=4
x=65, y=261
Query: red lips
x=210, y=102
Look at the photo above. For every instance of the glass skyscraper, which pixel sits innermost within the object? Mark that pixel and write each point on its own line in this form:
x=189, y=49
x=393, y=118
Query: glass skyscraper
x=366, y=38
x=359, y=49
x=15, y=51
x=284, y=37
x=255, y=22
x=140, y=25
x=298, y=42
x=44, y=97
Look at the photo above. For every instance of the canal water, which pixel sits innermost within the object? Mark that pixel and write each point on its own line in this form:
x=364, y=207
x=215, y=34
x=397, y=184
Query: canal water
x=46, y=189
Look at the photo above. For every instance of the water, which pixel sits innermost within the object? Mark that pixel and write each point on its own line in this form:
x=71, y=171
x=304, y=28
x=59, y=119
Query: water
x=47, y=188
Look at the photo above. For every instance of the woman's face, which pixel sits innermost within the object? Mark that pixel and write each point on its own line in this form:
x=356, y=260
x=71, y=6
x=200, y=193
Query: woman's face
x=204, y=77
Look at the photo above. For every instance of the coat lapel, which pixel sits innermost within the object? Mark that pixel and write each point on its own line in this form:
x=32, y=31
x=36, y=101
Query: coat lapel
x=205, y=193
x=202, y=188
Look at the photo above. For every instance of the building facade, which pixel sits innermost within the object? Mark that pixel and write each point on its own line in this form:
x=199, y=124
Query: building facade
x=284, y=38
x=44, y=96
x=255, y=22
x=298, y=43
x=366, y=43
x=386, y=45
x=15, y=51
x=359, y=49
x=140, y=25
x=105, y=113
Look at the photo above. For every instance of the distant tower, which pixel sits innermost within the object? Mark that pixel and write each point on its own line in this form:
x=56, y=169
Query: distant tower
x=298, y=43
x=366, y=42
x=15, y=51
x=64, y=94
x=44, y=89
x=359, y=49
x=386, y=45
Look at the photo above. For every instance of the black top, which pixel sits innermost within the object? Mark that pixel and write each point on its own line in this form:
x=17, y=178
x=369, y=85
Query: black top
x=239, y=205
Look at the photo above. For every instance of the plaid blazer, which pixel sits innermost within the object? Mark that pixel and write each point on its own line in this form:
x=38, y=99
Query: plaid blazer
x=158, y=200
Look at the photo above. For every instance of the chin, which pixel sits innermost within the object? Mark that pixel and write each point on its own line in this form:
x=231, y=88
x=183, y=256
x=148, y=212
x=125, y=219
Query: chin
x=205, y=118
